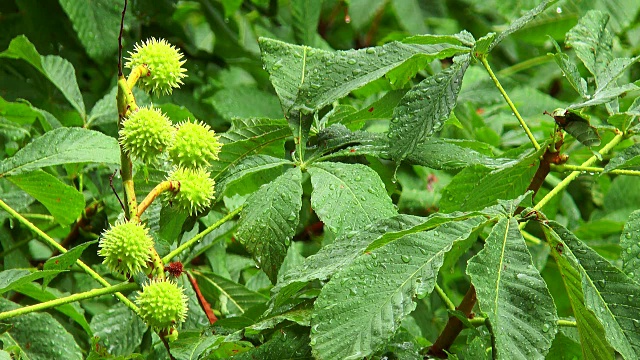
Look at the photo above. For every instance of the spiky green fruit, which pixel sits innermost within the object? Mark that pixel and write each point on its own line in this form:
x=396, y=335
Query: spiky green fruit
x=146, y=133
x=164, y=62
x=196, y=189
x=126, y=248
x=195, y=145
x=162, y=304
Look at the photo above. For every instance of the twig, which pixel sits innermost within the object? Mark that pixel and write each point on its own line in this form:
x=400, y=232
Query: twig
x=443, y=296
x=454, y=325
x=159, y=189
x=114, y=189
x=593, y=169
x=550, y=156
x=124, y=11
x=203, y=302
x=483, y=59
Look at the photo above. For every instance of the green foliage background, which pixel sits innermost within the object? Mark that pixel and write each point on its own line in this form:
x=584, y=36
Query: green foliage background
x=380, y=169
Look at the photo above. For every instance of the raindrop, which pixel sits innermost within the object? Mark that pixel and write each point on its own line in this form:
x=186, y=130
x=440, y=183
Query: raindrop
x=371, y=51
x=405, y=258
x=546, y=327
x=351, y=61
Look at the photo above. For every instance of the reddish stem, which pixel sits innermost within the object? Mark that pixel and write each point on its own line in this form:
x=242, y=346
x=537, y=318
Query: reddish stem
x=454, y=326
x=203, y=302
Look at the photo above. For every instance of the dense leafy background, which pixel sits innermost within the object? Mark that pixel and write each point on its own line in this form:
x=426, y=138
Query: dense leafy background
x=376, y=164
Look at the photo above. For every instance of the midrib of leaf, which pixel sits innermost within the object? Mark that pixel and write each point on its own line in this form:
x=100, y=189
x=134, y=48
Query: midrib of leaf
x=230, y=297
x=504, y=246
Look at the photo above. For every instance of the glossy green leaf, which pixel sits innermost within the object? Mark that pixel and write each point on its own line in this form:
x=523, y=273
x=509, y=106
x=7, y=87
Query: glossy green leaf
x=95, y=20
x=423, y=110
x=109, y=326
x=592, y=335
x=592, y=42
x=249, y=137
x=630, y=244
x=604, y=96
x=58, y=70
x=305, y=16
x=608, y=293
x=13, y=278
x=308, y=79
x=213, y=285
x=269, y=220
x=514, y=296
x=476, y=187
x=365, y=312
x=38, y=335
x=378, y=110
x=348, y=196
x=63, y=146
x=570, y=71
x=627, y=158
x=73, y=310
x=64, y=202
x=246, y=167
x=445, y=154
x=232, y=103
x=64, y=261
x=17, y=112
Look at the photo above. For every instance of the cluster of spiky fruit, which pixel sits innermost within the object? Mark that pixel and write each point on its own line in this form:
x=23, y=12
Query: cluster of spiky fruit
x=146, y=134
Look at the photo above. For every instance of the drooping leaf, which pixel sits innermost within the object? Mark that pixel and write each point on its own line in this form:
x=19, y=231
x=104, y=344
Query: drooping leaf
x=64, y=202
x=38, y=335
x=379, y=110
x=629, y=157
x=577, y=126
x=520, y=22
x=608, y=293
x=58, y=70
x=513, y=294
x=269, y=220
x=112, y=323
x=362, y=12
x=242, y=298
x=424, y=108
x=364, y=312
x=592, y=338
x=630, y=244
x=95, y=20
x=18, y=112
x=308, y=79
x=231, y=103
x=604, y=96
x=246, y=167
x=250, y=137
x=63, y=146
x=13, y=278
x=348, y=196
x=64, y=261
x=570, y=70
x=592, y=43
x=476, y=187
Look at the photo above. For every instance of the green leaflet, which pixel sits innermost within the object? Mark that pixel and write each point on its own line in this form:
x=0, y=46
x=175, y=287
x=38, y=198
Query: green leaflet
x=58, y=70
x=62, y=146
x=514, y=296
x=365, y=310
x=64, y=202
x=348, y=196
x=592, y=335
x=241, y=298
x=269, y=220
x=630, y=244
x=115, y=321
x=424, y=108
x=38, y=335
x=95, y=20
x=608, y=293
x=629, y=157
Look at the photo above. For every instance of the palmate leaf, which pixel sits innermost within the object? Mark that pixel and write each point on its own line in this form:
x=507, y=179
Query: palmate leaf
x=520, y=22
x=592, y=339
x=269, y=220
x=109, y=326
x=592, y=42
x=348, y=196
x=424, y=108
x=291, y=343
x=64, y=261
x=305, y=16
x=445, y=154
x=308, y=79
x=570, y=71
x=361, y=307
x=214, y=285
x=513, y=294
x=608, y=293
